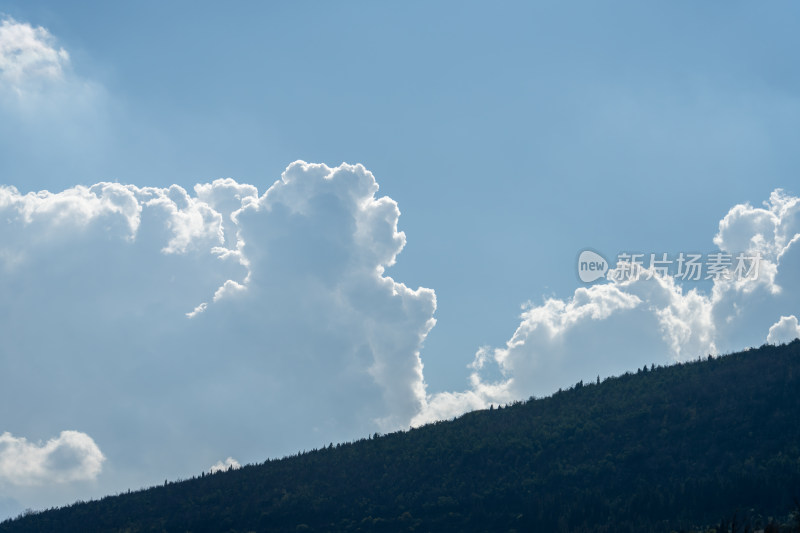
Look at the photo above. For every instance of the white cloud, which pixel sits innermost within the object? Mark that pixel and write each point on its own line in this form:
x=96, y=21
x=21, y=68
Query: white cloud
x=48, y=110
x=604, y=329
x=784, y=330
x=29, y=55
x=167, y=311
x=77, y=207
x=613, y=327
x=72, y=456
x=743, y=311
x=221, y=466
x=316, y=245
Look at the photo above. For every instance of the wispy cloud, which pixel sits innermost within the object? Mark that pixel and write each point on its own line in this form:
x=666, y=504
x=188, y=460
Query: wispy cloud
x=48, y=110
x=29, y=57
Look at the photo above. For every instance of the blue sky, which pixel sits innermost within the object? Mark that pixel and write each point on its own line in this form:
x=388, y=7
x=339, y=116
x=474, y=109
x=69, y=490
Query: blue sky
x=509, y=137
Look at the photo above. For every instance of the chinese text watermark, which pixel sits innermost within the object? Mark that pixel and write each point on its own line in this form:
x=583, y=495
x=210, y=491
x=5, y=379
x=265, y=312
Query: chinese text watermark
x=683, y=266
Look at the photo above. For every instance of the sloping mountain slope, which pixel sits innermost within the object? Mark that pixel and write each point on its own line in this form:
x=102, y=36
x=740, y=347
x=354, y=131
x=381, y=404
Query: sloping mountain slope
x=657, y=450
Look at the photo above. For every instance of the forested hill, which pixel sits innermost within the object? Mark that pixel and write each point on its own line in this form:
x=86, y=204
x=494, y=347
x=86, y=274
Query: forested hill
x=669, y=448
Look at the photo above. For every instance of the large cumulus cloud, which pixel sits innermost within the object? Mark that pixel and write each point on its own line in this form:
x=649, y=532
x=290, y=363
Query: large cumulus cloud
x=616, y=326
x=176, y=327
